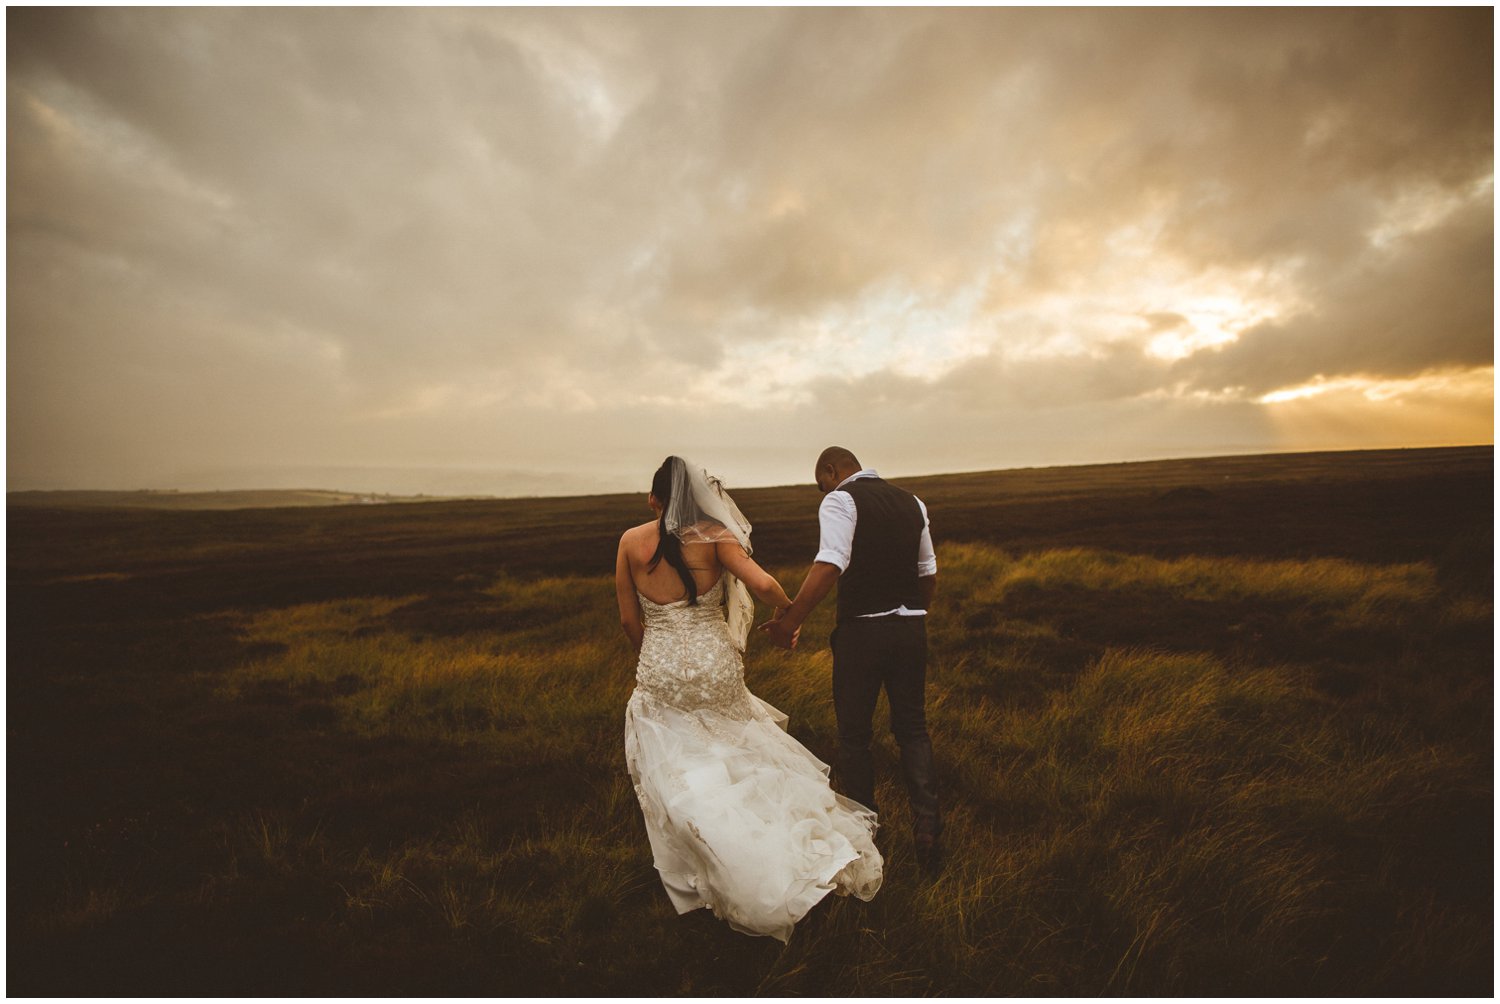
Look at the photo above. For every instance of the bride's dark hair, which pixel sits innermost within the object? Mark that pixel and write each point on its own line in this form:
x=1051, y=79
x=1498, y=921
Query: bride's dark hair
x=669, y=546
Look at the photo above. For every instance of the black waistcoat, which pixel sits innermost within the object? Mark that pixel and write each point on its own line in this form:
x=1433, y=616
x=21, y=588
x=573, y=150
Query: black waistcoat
x=882, y=572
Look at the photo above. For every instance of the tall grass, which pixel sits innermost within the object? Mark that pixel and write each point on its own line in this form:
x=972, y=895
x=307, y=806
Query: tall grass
x=1161, y=776
x=1197, y=816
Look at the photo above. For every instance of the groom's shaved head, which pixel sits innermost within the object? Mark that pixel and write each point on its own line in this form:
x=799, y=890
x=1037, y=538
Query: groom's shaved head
x=838, y=457
x=834, y=465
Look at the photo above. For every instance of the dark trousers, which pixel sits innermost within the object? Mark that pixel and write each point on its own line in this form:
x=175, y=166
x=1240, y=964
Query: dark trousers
x=890, y=652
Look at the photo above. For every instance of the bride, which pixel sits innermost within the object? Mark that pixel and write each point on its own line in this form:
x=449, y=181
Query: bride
x=740, y=815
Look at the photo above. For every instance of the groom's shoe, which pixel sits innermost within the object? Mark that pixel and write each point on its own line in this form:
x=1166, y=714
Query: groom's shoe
x=929, y=853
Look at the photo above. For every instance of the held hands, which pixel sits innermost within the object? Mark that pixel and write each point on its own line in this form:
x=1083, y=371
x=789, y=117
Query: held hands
x=783, y=633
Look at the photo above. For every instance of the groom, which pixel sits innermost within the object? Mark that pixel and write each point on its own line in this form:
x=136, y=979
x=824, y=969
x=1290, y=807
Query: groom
x=875, y=542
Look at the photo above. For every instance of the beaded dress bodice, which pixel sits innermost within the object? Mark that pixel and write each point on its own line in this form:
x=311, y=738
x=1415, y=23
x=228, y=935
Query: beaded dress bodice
x=688, y=660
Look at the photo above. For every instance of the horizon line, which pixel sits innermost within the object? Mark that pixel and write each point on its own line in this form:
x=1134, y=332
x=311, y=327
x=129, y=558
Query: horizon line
x=394, y=496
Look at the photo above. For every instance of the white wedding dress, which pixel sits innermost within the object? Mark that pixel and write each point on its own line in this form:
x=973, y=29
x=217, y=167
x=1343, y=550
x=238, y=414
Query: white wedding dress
x=740, y=815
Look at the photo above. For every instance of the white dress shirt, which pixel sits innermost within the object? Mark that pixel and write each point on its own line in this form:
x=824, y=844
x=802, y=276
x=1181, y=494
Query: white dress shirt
x=837, y=516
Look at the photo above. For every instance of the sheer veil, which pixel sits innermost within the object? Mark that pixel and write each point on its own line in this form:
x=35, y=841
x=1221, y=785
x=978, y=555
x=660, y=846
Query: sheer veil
x=701, y=511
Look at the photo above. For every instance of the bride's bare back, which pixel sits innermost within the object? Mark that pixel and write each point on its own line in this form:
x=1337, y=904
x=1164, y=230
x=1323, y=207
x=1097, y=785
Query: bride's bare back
x=662, y=584
x=706, y=560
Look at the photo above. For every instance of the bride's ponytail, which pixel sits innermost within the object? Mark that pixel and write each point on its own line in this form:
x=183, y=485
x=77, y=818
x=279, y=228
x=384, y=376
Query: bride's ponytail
x=669, y=546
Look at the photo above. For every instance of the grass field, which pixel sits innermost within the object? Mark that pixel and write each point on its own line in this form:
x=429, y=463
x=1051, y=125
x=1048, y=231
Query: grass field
x=1213, y=726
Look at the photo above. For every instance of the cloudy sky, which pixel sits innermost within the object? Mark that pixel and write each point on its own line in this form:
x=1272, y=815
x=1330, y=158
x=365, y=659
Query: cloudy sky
x=496, y=250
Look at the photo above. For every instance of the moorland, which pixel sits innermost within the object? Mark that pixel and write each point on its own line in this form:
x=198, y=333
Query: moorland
x=1210, y=726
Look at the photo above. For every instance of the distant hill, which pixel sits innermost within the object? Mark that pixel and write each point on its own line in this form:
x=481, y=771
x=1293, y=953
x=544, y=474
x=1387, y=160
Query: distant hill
x=1173, y=483
x=238, y=499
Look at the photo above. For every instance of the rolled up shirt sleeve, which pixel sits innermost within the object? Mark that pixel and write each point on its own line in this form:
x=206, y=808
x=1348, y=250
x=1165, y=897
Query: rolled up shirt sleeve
x=926, y=554
x=836, y=516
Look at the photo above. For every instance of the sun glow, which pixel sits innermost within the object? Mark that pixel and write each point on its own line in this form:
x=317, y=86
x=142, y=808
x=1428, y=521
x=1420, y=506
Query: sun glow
x=1299, y=393
x=1206, y=323
x=1188, y=320
x=1442, y=408
x=1459, y=383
